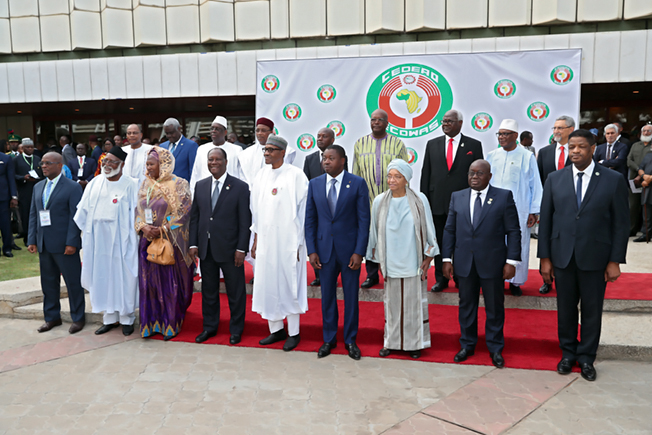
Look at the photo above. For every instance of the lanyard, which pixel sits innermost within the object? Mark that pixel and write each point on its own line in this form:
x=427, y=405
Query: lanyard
x=31, y=165
x=149, y=191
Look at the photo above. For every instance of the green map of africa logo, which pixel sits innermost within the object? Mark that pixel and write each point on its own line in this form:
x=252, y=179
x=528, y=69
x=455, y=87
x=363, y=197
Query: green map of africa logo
x=270, y=84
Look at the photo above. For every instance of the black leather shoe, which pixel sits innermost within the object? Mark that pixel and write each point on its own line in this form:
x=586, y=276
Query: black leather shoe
x=354, y=351
x=325, y=349
x=127, y=330
x=515, y=290
x=640, y=239
x=497, y=360
x=291, y=342
x=235, y=339
x=105, y=328
x=369, y=282
x=415, y=354
x=277, y=336
x=588, y=371
x=545, y=288
x=8, y=254
x=384, y=352
x=49, y=325
x=205, y=335
x=463, y=354
x=316, y=282
x=565, y=366
x=15, y=247
x=439, y=287
x=76, y=327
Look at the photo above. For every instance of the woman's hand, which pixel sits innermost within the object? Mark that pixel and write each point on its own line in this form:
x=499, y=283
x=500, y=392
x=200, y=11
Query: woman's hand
x=151, y=232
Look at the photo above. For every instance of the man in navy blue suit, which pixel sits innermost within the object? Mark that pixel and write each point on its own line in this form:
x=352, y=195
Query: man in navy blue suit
x=480, y=220
x=583, y=233
x=183, y=149
x=82, y=168
x=337, y=232
x=8, y=198
x=613, y=153
x=56, y=237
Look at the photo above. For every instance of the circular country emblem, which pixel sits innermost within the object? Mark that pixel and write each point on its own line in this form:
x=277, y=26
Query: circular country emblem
x=482, y=121
x=306, y=142
x=337, y=127
x=538, y=111
x=414, y=96
x=326, y=93
x=270, y=84
x=292, y=112
x=505, y=89
x=561, y=75
x=412, y=156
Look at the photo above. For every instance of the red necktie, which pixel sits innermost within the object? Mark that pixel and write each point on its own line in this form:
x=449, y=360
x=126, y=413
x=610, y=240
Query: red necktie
x=562, y=160
x=449, y=154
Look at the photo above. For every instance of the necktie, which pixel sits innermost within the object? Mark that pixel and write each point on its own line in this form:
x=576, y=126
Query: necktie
x=215, y=195
x=562, y=159
x=332, y=197
x=477, y=209
x=46, y=197
x=81, y=162
x=449, y=154
x=609, y=152
x=173, y=146
x=579, y=189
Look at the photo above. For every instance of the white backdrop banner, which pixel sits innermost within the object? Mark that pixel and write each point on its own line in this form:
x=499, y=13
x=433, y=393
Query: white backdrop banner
x=532, y=87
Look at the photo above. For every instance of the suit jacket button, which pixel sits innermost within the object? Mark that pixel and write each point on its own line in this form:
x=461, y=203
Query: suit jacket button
x=577, y=217
x=211, y=219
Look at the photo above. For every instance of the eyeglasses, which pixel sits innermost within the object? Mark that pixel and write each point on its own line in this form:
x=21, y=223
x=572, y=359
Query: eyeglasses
x=505, y=134
x=472, y=174
x=270, y=149
x=449, y=121
x=394, y=177
x=559, y=128
x=47, y=163
x=105, y=161
x=378, y=120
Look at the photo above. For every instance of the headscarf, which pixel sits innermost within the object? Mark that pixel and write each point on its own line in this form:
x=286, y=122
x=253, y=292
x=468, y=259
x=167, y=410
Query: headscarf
x=174, y=191
x=401, y=166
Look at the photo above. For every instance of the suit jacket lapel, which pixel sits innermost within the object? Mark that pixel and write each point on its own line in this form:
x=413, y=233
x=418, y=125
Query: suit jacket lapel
x=491, y=193
x=223, y=192
x=55, y=191
x=466, y=207
x=440, y=149
x=320, y=193
x=593, y=182
x=344, y=192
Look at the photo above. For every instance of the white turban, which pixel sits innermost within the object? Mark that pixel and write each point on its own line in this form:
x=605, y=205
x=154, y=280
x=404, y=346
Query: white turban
x=220, y=120
x=509, y=124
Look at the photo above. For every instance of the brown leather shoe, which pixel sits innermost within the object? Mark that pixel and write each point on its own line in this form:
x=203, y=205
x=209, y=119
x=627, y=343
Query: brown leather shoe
x=49, y=325
x=76, y=327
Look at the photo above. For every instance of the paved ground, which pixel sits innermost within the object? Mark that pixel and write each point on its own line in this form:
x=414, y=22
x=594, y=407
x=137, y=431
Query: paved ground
x=57, y=383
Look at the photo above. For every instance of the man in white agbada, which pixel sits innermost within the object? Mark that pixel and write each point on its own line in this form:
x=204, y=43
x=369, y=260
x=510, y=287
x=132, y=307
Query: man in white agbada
x=106, y=215
x=218, y=136
x=515, y=168
x=134, y=166
x=278, y=204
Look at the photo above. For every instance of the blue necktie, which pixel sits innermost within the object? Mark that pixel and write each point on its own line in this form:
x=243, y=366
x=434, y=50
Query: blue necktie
x=46, y=197
x=332, y=197
x=579, y=189
x=477, y=210
x=173, y=146
x=215, y=195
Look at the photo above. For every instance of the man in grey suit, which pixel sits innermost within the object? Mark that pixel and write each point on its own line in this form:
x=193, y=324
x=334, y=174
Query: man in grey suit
x=56, y=237
x=67, y=151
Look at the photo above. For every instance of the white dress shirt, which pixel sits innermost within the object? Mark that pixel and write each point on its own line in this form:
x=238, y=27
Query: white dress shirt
x=338, y=184
x=585, y=178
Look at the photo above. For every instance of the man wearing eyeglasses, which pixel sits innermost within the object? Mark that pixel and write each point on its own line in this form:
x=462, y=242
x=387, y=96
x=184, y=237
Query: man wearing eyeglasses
x=515, y=168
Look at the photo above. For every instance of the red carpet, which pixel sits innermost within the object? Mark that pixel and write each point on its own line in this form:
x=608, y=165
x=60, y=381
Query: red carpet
x=530, y=335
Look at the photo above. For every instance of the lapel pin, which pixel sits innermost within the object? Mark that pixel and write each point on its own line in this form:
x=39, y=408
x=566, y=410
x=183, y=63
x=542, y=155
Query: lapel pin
x=274, y=191
x=597, y=173
x=489, y=200
x=348, y=186
x=462, y=145
x=228, y=187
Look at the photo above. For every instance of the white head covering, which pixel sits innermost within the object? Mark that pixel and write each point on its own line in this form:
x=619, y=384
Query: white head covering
x=220, y=120
x=509, y=124
x=401, y=166
x=27, y=141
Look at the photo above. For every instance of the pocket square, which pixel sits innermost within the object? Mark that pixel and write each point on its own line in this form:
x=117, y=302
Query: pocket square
x=470, y=153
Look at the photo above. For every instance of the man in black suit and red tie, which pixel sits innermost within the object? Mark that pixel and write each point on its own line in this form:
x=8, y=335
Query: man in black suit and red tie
x=444, y=171
x=583, y=234
x=554, y=157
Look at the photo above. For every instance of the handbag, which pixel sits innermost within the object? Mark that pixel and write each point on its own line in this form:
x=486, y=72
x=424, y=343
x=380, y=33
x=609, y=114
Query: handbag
x=16, y=222
x=161, y=251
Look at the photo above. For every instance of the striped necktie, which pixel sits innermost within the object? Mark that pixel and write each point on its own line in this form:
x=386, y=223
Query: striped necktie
x=46, y=197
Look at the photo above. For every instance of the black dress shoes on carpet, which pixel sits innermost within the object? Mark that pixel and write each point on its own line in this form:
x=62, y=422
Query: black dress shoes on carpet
x=354, y=351
x=463, y=354
x=588, y=371
x=515, y=290
x=415, y=354
x=384, y=352
x=106, y=328
x=565, y=366
x=497, y=360
x=369, y=282
x=277, y=336
x=235, y=339
x=76, y=327
x=439, y=287
x=292, y=342
x=545, y=288
x=316, y=282
x=205, y=335
x=127, y=330
x=325, y=349
x=49, y=325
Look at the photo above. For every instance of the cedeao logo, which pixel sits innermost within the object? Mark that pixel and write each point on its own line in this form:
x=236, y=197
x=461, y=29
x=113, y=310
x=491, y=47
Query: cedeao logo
x=292, y=112
x=505, y=89
x=414, y=96
x=337, y=127
x=306, y=142
x=326, y=93
x=270, y=84
x=561, y=75
x=413, y=156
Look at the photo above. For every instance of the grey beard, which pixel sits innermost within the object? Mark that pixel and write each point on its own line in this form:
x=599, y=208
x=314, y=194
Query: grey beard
x=113, y=172
x=646, y=138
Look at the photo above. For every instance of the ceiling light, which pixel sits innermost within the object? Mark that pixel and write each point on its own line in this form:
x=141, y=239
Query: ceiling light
x=19, y=111
x=635, y=92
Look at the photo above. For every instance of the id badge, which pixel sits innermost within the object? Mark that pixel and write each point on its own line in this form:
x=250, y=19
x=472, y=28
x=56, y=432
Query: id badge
x=80, y=172
x=149, y=219
x=44, y=216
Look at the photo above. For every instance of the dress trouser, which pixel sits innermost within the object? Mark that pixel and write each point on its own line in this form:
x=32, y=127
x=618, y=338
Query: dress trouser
x=494, y=301
x=635, y=212
x=5, y=226
x=52, y=267
x=648, y=223
x=372, y=269
x=234, y=280
x=293, y=324
x=440, y=222
x=329, y=310
x=116, y=316
x=586, y=287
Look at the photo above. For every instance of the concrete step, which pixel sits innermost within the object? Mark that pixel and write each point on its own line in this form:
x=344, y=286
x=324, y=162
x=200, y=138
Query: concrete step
x=20, y=292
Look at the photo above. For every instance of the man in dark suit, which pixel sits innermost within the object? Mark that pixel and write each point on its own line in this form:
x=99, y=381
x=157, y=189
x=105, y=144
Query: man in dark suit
x=613, y=153
x=337, y=232
x=583, y=235
x=644, y=179
x=444, y=171
x=67, y=150
x=56, y=237
x=313, y=168
x=26, y=168
x=623, y=138
x=82, y=167
x=219, y=235
x=554, y=157
x=183, y=149
x=480, y=220
x=8, y=199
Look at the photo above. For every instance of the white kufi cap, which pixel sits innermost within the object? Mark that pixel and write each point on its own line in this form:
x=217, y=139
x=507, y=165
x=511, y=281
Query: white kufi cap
x=509, y=124
x=220, y=120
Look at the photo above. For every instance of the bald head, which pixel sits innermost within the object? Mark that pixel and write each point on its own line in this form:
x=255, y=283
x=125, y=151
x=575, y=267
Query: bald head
x=479, y=175
x=379, y=123
x=325, y=138
x=51, y=164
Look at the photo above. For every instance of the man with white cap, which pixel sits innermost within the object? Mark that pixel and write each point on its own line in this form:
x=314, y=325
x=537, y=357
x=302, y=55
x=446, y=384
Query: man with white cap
x=278, y=204
x=218, y=136
x=515, y=168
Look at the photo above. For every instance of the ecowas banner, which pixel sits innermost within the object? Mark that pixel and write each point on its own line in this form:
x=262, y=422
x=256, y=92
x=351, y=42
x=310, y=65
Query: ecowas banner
x=532, y=87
